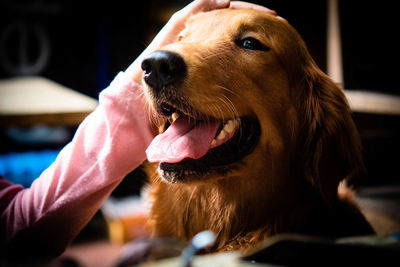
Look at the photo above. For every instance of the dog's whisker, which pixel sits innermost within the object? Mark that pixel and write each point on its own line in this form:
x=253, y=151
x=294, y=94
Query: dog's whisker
x=228, y=102
x=229, y=106
x=218, y=110
x=227, y=89
x=235, y=113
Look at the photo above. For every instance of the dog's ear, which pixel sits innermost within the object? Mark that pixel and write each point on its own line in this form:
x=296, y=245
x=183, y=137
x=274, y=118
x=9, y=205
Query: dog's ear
x=329, y=142
x=329, y=147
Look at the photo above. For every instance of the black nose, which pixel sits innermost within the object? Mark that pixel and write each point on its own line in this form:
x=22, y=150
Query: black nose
x=162, y=68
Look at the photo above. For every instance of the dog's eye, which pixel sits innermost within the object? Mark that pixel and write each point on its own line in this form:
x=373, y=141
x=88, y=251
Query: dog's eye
x=251, y=44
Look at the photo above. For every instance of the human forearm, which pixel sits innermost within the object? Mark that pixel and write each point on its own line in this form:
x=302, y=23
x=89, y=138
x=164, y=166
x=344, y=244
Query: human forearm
x=108, y=144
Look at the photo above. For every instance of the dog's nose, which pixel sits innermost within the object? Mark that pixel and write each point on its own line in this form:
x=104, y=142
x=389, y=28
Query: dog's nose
x=162, y=68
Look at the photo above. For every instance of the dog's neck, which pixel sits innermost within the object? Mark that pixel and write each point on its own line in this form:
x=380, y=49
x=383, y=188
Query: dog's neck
x=226, y=207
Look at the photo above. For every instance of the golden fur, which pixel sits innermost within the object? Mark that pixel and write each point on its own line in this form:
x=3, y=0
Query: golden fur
x=308, y=141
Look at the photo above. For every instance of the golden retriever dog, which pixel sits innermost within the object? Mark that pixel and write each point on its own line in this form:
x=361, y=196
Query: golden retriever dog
x=255, y=138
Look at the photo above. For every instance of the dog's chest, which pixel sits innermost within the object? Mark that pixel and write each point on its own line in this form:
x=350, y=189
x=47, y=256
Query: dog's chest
x=183, y=213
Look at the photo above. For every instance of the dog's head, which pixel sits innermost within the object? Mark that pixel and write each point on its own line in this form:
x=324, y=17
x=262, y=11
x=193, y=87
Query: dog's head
x=239, y=96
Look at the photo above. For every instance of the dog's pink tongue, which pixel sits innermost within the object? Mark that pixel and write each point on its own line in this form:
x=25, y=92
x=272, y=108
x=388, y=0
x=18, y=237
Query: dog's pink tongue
x=183, y=139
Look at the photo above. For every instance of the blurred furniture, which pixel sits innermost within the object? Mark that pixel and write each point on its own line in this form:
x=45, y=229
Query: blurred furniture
x=28, y=101
x=373, y=102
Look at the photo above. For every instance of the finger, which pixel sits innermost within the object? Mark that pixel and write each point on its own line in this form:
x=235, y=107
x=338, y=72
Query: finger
x=198, y=6
x=246, y=5
x=217, y=4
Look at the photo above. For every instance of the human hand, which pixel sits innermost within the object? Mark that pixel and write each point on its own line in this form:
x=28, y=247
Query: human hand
x=177, y=23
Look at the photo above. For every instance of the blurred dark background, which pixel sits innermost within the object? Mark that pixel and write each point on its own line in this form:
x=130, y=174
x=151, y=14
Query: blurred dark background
x=84, y=44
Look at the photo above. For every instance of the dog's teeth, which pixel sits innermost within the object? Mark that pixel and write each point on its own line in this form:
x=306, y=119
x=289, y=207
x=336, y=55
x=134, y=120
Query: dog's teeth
x=230, y=126
x=228, y=130
x=221, y=135
x=175, y=116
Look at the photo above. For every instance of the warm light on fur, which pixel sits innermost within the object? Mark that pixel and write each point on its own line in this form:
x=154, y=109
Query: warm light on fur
x=308, y=141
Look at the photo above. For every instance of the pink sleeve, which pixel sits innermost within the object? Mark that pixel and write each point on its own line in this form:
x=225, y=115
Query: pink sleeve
x=108, y=144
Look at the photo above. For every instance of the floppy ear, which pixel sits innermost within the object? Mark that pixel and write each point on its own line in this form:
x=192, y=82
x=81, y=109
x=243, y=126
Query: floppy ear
x=329, y=142
x=329, y=147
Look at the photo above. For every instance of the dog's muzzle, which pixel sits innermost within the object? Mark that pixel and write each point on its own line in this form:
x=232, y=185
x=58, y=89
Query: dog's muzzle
x=193, y=144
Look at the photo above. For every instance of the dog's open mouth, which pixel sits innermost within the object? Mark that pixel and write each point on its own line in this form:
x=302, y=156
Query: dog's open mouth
x=194, y=147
